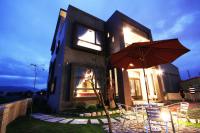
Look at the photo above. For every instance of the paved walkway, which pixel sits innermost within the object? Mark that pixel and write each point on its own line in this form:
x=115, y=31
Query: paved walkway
x=49, y=118
x=117, y=126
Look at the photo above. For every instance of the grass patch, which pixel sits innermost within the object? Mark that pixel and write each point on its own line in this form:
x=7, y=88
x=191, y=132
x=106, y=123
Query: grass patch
x=189, y=124
x=25, y=125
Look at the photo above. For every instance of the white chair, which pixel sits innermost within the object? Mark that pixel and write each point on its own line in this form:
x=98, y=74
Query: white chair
x=182, y=112
x=157, y=119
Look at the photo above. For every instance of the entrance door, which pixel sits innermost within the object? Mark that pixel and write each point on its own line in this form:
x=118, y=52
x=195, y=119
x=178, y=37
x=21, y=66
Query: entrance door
x=135, y=87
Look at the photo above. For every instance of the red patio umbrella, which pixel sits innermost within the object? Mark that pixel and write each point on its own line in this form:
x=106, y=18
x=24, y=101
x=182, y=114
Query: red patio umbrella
x=148, y=54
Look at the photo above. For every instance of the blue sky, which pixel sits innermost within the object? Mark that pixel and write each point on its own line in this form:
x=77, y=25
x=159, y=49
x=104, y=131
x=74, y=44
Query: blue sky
x=27, y=28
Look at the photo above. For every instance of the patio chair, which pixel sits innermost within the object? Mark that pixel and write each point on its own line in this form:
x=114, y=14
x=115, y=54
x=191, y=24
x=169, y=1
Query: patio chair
x=157, y=119
x=140, y=113
x=182, y=112
x=128, y=118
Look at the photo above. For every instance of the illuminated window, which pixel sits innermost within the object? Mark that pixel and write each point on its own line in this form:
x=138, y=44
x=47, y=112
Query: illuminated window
x=134, y=81
x=88, y=38
x=132, y=35
x=116, y=82
x=83, y=79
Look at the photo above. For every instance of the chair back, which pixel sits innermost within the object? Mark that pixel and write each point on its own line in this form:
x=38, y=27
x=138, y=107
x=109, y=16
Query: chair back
x=153, y=112
x=119, y=106
x=184, y=107
x=139, y=108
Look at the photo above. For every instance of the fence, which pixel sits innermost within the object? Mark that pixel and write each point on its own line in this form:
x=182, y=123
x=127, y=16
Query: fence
x=10, y=111
x=193, y=97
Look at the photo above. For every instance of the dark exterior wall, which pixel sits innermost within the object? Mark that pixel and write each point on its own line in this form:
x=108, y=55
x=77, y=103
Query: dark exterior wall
x=171, y=78
x=57, y=56
x=73, y=55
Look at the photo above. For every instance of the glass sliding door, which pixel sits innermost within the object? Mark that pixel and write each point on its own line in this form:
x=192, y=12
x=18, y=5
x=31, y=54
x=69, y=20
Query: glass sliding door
x=135, y=87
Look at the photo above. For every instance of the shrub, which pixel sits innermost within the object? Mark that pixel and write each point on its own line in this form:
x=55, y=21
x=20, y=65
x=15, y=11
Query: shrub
x=92, y=108
x=40, y=105
x=81, y=106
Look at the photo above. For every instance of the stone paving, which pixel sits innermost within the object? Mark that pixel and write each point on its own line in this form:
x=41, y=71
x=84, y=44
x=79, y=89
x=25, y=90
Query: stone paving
x=65, y=121
x=79, y=121
x=94, y=121
x=116, y=124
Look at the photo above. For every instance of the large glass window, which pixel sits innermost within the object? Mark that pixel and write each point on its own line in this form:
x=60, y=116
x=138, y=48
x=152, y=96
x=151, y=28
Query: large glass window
x=133, y=35
x=88, y=38
x=83, y=79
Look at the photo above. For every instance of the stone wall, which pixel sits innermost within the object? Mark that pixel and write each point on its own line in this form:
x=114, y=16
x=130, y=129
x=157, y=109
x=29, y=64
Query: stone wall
x=11, y=111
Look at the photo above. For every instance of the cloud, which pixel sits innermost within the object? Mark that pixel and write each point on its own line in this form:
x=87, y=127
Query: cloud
x=181, y=23
x=160, y=24
x=178, y=27
x=18, y=77
x=17, y=73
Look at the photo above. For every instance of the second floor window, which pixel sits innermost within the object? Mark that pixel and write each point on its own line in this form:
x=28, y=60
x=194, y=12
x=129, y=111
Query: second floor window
x=133, y=35
x=88, y=38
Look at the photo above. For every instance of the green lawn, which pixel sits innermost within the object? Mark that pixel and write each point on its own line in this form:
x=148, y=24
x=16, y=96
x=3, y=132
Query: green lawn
x=189, y=124
x=25, y=125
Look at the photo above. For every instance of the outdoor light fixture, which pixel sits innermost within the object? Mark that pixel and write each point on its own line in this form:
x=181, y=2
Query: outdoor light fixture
x=165, y=115
x=122, y=69
x=131, y=64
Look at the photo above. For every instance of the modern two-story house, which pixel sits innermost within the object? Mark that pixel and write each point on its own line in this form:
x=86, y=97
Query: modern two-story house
x=82, y=43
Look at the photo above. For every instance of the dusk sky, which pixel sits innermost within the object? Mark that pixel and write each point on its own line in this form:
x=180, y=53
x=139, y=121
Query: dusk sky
x=27, y=28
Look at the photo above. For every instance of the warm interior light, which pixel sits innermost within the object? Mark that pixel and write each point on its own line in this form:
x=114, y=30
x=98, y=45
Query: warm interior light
x=87, y=40
x=89, y=45
x=84, y=87
x=122, y=69
x=132, y=37
x=159, y=72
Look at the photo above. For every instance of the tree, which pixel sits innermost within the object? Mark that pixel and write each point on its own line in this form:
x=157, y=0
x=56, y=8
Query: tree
x=98, y=92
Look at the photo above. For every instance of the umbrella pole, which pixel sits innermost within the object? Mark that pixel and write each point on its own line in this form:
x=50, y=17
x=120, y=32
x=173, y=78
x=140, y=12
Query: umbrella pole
x=147, y=97
x=146, y=85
